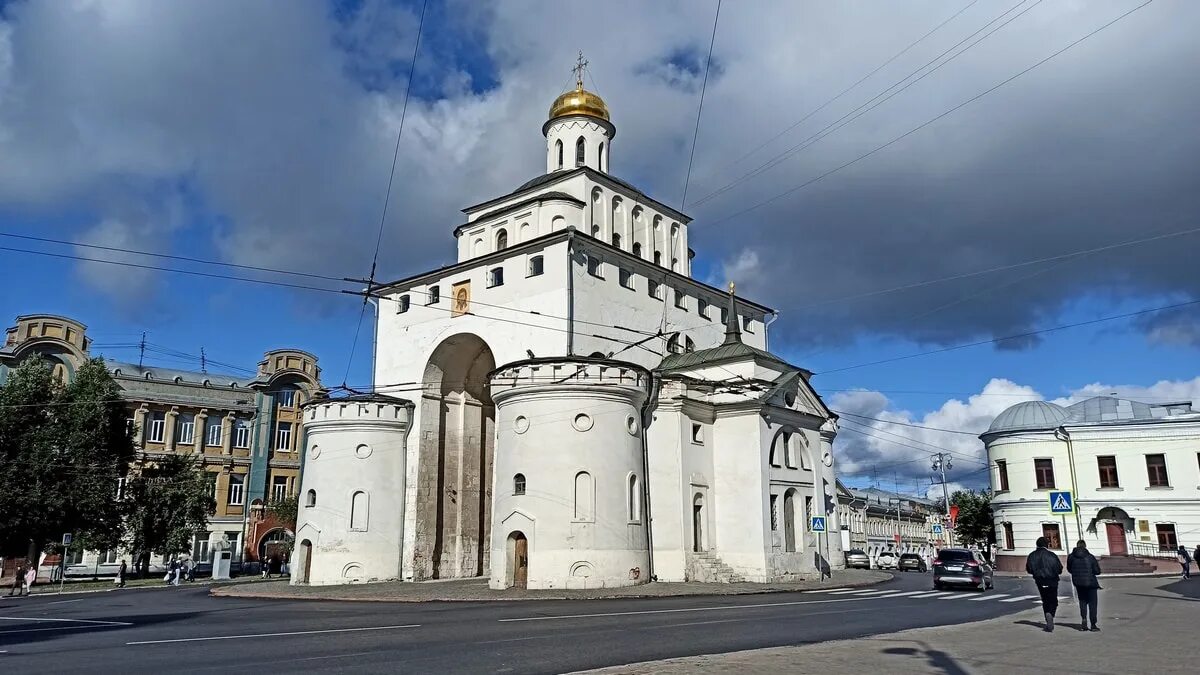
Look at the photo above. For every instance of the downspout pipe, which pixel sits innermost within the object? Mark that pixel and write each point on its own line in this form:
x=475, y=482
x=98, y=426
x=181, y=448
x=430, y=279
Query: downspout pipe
x=767, y=330
x=652, y=388
x=571, y=291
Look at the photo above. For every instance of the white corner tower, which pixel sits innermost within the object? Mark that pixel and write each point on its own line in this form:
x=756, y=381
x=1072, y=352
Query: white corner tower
x=350, y=519
x=569, y=480
x=578, y=132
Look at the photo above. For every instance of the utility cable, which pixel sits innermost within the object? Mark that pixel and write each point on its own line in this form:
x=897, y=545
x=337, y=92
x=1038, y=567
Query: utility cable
x=700, y=108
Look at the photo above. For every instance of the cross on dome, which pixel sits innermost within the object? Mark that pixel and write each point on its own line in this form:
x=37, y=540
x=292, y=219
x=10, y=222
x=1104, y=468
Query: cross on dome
x=580, y=64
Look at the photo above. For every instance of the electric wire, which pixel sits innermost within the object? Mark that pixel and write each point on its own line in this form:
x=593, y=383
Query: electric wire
x=700, y=108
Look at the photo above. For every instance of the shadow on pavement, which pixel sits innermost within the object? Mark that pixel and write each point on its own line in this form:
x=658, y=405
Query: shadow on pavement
x=33, y=630
x=937, y=660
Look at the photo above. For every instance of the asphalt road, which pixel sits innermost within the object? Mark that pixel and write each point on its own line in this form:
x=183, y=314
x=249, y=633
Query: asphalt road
x=184, y=630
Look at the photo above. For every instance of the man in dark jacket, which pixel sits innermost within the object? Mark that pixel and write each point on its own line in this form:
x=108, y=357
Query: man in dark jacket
x=1045, y=568
x=1084, y=567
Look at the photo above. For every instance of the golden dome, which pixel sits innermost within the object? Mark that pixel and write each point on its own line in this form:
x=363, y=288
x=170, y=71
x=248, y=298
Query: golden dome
x=579, y=101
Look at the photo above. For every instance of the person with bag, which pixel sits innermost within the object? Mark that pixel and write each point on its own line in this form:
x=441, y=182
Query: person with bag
x=1045, y=568
x=1185, y=561
x=1084, y=567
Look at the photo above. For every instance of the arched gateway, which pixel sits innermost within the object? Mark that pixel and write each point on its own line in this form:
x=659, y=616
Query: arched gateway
x=454, y=477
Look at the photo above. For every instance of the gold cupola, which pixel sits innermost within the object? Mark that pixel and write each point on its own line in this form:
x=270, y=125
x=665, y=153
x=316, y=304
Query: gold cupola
x=579, y=101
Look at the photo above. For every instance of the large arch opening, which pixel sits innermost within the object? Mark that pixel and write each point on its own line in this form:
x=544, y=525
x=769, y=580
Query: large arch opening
x=453, y=512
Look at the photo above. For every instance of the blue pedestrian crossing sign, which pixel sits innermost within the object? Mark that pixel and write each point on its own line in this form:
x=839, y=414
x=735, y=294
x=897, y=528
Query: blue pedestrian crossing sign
x=937, y=528
x=817, y=524
x=1062, y=502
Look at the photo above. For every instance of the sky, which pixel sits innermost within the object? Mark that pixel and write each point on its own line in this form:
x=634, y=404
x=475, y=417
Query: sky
x=895, y=178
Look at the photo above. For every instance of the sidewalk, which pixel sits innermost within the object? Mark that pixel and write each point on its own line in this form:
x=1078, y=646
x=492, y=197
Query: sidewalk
x=477, y=589
x=107, y=586
x=1147, y=624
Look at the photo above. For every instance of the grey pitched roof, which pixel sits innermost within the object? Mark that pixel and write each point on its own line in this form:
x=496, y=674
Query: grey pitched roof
x=133, y=370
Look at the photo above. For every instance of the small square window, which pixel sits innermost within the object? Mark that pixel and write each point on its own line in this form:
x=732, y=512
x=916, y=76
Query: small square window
x=434, y=296
x=680, y=300
x=625, y=277
x=702, y=307
x=495, y=277
x=535, y=266
x=697, y=433
x=594, y=267
x=402, y=304
x=653, y=289
x=747, y=324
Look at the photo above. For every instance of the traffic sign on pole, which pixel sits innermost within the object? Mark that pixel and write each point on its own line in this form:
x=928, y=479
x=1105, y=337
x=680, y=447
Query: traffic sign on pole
x=937, y=528
x=817, y=524
x=1062, y=502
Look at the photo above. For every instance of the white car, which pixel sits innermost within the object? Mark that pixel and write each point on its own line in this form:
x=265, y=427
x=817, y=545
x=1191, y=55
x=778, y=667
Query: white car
x=886, y=560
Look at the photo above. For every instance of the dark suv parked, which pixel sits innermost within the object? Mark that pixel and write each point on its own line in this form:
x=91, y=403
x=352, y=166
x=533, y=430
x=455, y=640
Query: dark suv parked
x=961, y=567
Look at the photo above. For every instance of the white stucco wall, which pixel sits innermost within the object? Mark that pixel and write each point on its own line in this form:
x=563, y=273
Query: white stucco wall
x=353, y=447
x=555, y=421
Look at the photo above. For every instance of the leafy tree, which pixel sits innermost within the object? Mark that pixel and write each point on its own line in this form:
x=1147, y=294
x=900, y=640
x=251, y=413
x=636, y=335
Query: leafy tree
x=285, y=510
x=62, y=450
x=167, y=502
x=974, y=525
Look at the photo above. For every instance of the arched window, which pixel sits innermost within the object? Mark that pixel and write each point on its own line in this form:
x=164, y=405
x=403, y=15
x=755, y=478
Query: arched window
x=616, y=239
x=776, y=458
x=501, y=240
x=674, y=264
x=600, y=163
x=689, y=345
x=673, y=344
x=637, y=249
x=596, y=231
x=789, y=521
x=310, y=499
x=579, y=151
x=658, y=257
x=359, y=507
x=585, y=497
x=558, y=152
x=788, y=459
x=519, y=484
x=635, y=500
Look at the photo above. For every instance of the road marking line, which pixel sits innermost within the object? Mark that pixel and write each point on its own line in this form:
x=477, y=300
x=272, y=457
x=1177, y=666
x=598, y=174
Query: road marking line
x=933, y=594
x=673, y=611
x=902, y=594
x=60, y=602
x=856, y=591
x=828, y=590
x=992, y=596
x=91, y=621
x=258, y=635
x=1019, y=598
x=955, y=596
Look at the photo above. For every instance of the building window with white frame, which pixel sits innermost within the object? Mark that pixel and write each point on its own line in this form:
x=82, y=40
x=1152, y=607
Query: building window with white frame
x=680, y=300
x=310, y=499
x=434, y=296
x=697, y=433
x=747, y=324
x=595, y=267
x=653, y=289
x=495, y=277
x=283, y=437
x=241, y=433
x=279, y=488
x=536, y=266
x=402, y=304
x=200, y=547
x=212, y=432
x=702, y=307
x=237, y=484
x=287, y=398
x=359, y=509
x=154, y=432
x=635, y=499
x=187, y=429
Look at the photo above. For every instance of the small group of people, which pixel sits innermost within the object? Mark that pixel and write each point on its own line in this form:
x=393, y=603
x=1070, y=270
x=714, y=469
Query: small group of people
x=23, y=578
x=1185, y=560
x=178, y=570
x=274, y=565
x=1046, y=569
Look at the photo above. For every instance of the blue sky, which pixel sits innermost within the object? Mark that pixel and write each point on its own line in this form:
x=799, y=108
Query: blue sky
x=263, y=136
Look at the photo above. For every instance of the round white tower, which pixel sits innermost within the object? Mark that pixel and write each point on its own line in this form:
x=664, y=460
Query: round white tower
x=578, y=131
x=350, y=519
x=569, y=480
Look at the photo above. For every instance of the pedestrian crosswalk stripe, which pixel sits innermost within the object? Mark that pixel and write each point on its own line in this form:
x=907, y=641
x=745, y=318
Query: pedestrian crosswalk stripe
x=902, y=594
x=991, y=596
x=955, y=596
x=856, y=591
x=934, y=594
x=1020, y=598
x=828, y=590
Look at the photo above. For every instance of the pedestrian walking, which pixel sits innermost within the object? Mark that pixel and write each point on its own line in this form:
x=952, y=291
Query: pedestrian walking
x=30, y=577
x=191, y=570
x=266, y=568
x=1045, y=568
x=1084, y=567
x=1185, y=561
x=18, y=579
x=121, y=572
x=178, y=573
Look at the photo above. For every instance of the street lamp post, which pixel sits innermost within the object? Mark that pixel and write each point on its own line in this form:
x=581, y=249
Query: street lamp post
x=1062, y=435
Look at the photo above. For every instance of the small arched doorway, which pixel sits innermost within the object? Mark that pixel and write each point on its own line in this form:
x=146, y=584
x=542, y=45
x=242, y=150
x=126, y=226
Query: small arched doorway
x=789, y=521
x=518, y=560
x=304, y=561
x=698, y=529
x=1116, y=523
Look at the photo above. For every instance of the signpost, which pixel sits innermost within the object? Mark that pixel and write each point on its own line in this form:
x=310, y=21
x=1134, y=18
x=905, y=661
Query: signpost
x=1062, y=502
x=817, y=524
x=937, y=529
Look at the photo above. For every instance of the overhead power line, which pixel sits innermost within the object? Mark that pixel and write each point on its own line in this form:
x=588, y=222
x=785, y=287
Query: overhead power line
x=924, y=124
x=700, y=108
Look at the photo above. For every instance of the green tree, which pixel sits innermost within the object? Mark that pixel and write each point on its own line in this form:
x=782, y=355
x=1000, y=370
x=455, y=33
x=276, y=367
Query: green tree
x=974, y=524
x=167, y=502
x=62, y=451
x=285, y=510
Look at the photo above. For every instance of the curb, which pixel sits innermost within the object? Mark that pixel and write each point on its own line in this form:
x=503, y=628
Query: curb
x=231, y=591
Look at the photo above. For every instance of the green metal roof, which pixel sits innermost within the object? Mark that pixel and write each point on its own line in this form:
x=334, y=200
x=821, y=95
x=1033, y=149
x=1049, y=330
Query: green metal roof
x=730, y=351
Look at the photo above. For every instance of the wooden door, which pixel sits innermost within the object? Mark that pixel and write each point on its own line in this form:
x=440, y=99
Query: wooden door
x=521, y=562
x=306, y=551
x=1116, y=539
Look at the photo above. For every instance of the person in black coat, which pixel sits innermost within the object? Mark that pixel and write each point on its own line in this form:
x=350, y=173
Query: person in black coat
x=1045, y=568
x=1084, y=567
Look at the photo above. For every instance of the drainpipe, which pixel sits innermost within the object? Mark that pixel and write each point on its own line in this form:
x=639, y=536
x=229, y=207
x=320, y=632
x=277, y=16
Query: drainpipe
x=1062, y=435
x=570, y=291
x=767, y=330
x=374, y=343
x=651, y=389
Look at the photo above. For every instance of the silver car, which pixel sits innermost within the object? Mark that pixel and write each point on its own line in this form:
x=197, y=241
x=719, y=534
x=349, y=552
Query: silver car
x=856, y=558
